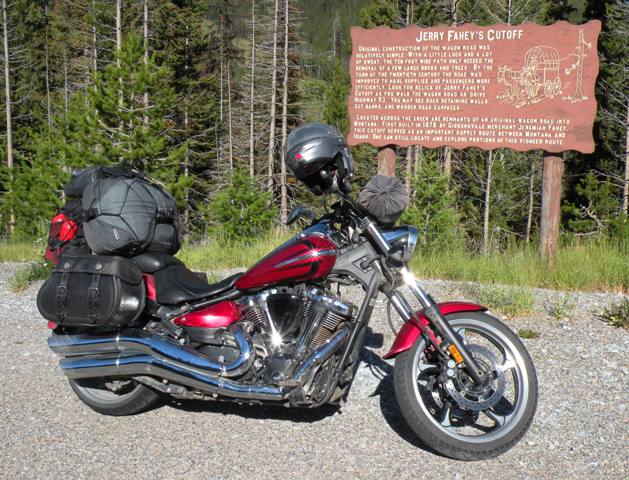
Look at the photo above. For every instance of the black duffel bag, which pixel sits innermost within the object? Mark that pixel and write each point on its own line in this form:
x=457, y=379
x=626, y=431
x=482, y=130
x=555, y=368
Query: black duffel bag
x=93, y=291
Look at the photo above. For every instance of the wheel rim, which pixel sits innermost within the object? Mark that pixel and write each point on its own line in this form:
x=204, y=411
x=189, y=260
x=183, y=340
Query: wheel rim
x=464, y=423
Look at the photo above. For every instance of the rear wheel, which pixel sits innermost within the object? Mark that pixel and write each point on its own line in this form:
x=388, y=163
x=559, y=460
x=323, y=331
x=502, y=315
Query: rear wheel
x=115, y=397
x=453, y=415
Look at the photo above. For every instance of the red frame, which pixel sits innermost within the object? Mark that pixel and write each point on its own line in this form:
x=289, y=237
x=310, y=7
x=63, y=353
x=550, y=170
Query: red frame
x=149, y=281
x=411, y=330
x=221, y=314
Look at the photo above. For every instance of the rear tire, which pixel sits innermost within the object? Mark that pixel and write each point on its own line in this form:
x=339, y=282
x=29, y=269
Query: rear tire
x=448, y=430
x=131, y=398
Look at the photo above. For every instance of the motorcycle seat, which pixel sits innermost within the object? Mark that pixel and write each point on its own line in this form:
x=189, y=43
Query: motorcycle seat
x=151, y=262
x=175, y=284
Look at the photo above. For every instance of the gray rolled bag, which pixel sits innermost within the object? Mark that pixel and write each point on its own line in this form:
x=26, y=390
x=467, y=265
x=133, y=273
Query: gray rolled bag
x=384, y=198
x=129, y=215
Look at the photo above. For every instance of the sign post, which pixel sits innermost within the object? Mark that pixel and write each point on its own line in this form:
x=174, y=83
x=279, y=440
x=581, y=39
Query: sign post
x=522, y=87
x=386, y=161
x=551, y=205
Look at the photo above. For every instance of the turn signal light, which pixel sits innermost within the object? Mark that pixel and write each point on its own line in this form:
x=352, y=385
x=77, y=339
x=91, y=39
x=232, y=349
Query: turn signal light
x=458, y=358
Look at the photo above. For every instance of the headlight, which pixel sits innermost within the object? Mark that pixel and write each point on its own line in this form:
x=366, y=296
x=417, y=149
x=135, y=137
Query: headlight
x=404, y=236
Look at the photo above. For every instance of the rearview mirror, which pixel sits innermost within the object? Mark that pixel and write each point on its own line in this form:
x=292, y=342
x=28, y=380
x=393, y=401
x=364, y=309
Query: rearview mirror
x=297, y=212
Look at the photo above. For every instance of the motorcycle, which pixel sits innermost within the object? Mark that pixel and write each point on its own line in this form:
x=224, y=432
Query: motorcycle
x=282, y=334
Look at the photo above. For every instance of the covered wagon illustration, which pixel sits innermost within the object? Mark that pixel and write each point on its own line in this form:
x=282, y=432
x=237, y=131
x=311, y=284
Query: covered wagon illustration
x=540, y=76
x=541, y=71
x=538, y=79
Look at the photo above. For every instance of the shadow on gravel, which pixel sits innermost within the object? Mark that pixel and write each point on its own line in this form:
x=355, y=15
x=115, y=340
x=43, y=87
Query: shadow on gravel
x=380, y=369
x=256, y=412
x=388, y=405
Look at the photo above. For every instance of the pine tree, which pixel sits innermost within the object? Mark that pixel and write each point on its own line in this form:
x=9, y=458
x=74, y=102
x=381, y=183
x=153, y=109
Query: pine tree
x=432, y=208
x=243, y=209
x=335, y=110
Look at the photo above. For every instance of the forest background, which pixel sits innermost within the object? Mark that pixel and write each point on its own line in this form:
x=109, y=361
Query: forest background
x=201, y=94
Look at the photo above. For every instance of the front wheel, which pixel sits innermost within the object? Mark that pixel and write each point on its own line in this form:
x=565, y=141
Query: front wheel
x=452, y=414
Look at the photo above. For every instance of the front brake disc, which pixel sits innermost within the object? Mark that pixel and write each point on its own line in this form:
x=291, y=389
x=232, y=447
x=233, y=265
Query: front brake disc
x=477, y=398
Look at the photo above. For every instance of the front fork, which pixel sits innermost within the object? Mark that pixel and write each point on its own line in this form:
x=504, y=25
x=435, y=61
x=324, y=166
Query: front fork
x=456, y=347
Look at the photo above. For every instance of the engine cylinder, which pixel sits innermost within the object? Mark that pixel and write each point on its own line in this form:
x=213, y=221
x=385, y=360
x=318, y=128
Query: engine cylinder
x=328, y=325
x=255, y=315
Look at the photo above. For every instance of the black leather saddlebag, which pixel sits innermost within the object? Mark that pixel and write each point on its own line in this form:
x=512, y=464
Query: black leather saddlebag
x=93, y=291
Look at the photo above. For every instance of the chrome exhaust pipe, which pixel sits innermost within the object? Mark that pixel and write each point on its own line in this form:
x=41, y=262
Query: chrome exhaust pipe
x=322, y=354
x=139, y=342
x=135, y=365
x=138, y=353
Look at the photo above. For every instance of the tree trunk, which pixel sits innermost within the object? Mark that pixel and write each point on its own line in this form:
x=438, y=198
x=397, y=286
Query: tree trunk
x=447, y=152
x=409, y=150
x=221, y=96
x=65, y=82
x=447, y=161
x=551, y=205
x=118, y=48
x=487, y=199
x=419, y=151
x=118, y=29
x=625, y=187
x=146, y=56
x=273, y=101
x=229, y=117
x=409, y=168
x=186, y=126
x=47, y=76
x=252, y=92
x=529, y=217
x=7, y=98
x=94, y=51
x=283, y=192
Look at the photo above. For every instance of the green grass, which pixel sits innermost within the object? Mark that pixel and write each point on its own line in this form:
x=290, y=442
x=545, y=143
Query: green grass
x=561, y=309
x=617, y=315
x=593, y=265
x=589, y=265
x=527, y=333
x=220, y=254
x=20, y=252
x=504, y=299
x=27, y=274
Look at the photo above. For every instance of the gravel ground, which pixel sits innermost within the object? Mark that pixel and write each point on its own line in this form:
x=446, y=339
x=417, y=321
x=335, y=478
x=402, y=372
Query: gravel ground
x=580, y=430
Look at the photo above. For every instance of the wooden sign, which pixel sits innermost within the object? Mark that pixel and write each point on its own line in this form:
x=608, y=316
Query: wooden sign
x=522, y=87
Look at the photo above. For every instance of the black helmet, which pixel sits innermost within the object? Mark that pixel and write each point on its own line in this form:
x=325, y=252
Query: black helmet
x=318, y=155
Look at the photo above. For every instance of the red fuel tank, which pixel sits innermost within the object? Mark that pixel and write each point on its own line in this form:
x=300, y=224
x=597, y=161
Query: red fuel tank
x=299, y=259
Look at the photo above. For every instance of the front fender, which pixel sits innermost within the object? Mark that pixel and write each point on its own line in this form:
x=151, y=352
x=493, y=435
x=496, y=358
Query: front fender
x=411, y=330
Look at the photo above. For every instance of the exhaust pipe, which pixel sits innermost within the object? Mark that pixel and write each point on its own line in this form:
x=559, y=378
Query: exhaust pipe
x=138, y=353
x=139, y=342
x=135, y=365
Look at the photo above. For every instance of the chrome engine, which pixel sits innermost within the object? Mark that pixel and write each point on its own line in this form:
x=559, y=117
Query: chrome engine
x=291, y=323
x=305, y=317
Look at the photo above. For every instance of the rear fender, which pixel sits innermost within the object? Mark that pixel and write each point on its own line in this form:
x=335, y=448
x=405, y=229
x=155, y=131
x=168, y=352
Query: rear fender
x=412, y=329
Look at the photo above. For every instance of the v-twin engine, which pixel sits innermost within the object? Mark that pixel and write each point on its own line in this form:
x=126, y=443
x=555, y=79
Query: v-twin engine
x=292, y=324
x=306, y=317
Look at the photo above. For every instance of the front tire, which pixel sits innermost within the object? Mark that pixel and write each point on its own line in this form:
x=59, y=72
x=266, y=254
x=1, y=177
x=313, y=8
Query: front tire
x=115, y=397
x=457, y=418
